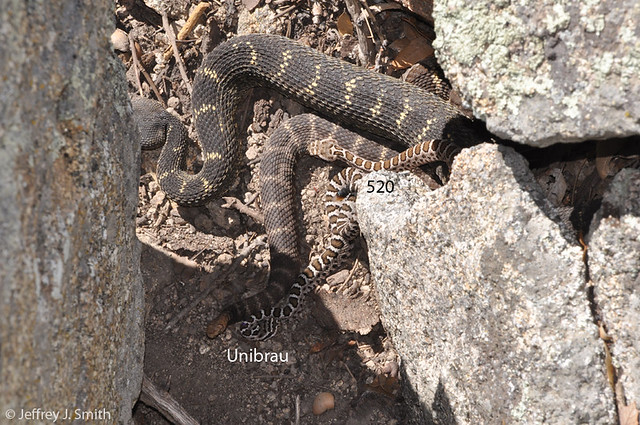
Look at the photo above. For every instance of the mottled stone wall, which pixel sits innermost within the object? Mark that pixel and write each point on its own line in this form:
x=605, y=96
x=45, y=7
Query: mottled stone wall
x=614, y=265
x=547, y=71
x=71, y=298
x=484, y=294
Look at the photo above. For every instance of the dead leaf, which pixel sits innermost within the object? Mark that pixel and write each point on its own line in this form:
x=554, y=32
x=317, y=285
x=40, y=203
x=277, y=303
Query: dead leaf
x=384, y=385
x=319, y=346
x=400, y=44
x=417, y=50
x=611, y=372
x=344, y=24
x=605, y=152
x=628, y=414
x=322, y=345
x=603, y=333
x=409, y=30
x=388, y=384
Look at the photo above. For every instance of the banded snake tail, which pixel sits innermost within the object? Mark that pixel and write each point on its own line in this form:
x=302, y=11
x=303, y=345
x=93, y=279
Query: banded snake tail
x=340, y=208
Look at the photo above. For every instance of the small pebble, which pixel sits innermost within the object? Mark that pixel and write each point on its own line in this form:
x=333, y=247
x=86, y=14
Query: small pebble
x=252, y=152
x=158, y=198
x=173, y=102
x=120, y=40
x=224, y=259
x=322, y=403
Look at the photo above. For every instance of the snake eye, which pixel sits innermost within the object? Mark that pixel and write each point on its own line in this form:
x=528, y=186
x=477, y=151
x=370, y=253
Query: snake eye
x=343, y=192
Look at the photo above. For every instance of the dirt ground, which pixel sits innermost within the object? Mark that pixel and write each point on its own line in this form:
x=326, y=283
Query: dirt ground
x=197, y=260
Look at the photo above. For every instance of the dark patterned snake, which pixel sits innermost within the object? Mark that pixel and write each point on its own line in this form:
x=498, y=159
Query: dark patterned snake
x=340, y=207
x=400, y=113
x=343, y=224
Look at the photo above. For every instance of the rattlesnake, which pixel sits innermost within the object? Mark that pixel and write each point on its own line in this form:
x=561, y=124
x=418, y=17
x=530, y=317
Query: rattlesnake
x=343, y=223
x=380, y=105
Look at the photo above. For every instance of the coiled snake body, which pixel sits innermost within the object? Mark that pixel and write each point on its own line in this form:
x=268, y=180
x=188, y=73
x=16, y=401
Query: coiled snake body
x=398, y=112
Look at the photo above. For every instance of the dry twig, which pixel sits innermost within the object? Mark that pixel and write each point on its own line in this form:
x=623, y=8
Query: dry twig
x=163, y=402
x=146, y=239
x=172, y=39
x=137, y=66
x=193, y=19
x=232, y=202
x=297, y=422
x=284, y=11
x=365, y=38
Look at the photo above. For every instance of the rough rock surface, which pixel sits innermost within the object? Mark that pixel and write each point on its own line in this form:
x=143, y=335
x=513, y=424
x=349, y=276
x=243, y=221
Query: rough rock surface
x=614, y=266
x=547, y=71
x=71, y=295
x=484, y=296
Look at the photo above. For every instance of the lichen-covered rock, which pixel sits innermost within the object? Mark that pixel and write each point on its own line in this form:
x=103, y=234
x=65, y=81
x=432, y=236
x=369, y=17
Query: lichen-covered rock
x=614, y=266
x=261, y=20
x=71, y=299
x=547, y=71
x=484, y=296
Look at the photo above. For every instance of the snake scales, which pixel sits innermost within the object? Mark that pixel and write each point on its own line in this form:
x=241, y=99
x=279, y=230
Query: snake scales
x=398, y=112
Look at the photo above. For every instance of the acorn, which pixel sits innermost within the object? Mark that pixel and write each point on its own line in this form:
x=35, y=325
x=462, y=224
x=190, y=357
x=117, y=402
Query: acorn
x=322, y=403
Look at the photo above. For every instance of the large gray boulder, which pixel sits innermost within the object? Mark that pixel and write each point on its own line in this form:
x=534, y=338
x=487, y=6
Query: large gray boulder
x=614, y=266
x=545, y=72
x=484, y=296
x=71, y=334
